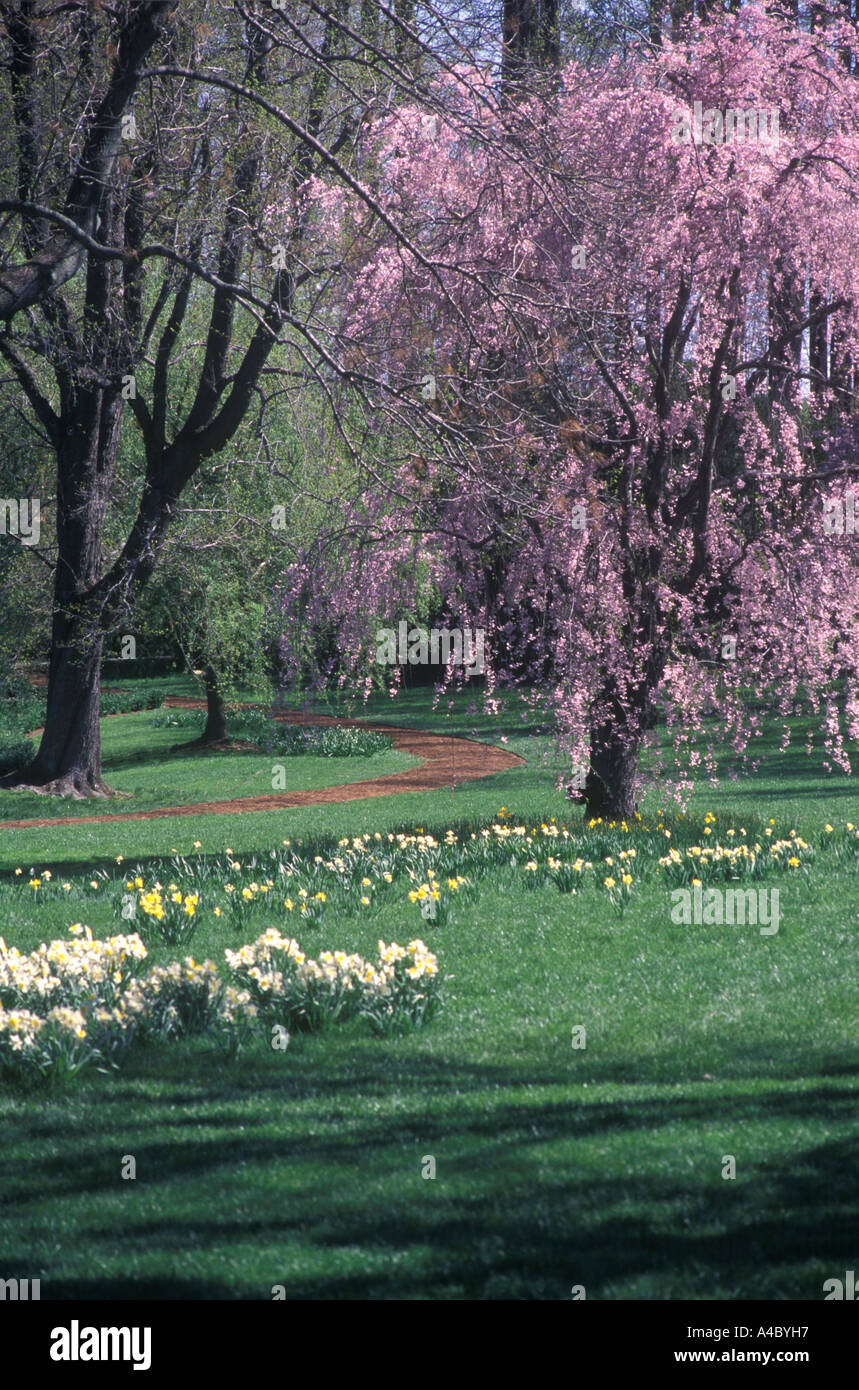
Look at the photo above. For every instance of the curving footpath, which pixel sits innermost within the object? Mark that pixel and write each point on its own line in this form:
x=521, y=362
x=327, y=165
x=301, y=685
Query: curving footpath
x=445, y=762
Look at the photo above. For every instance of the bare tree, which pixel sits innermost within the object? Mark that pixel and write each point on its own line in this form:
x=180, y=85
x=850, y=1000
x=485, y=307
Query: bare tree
x=185, y=295
x=68, y=221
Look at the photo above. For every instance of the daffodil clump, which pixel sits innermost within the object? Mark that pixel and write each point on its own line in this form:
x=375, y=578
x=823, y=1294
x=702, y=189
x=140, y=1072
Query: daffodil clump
x=434, y=897
x=397, y=992
x=170, y=911
x=43, y=886
x=403, y=991
x=70, y=972
x=60, y=1006
x=435, y=874
x=712, y=863
x=55, y=1042
x=81, y=1001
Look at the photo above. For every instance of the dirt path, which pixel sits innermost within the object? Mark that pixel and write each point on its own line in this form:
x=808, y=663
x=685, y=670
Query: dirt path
x=445, y=761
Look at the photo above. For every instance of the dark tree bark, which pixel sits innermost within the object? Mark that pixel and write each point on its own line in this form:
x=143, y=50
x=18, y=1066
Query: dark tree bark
x=785, y=309
x=85, y=429
x=842, y=377
x=216, y=714
x=61, y=257
x=91, y=358
x=68, y=762
x=69, y=759
x=549, y=33
x=530, y=38
x=817, y=363
x=85, y=434
x=610, y=785
x=654, y=22
x=617, y=735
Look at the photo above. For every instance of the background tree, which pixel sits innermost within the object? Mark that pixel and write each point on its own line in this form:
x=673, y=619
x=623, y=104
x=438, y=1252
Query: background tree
x=181, y=210
x=193, y=173
x=209, y=597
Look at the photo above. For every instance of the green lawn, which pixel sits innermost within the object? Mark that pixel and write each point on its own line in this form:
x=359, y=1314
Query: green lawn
x=147, y=765
x=555, y=1166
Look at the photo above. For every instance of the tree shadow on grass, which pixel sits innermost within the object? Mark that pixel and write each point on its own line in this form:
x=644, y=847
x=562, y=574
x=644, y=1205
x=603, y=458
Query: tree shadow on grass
x=162, y=1289
x=512, y=1212
x=494, y=1224
x=168, y=758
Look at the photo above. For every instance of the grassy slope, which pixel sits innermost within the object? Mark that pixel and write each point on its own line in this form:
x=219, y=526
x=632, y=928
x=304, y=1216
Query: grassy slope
x=139, y=761
x=791, y=785
x=555, y=1167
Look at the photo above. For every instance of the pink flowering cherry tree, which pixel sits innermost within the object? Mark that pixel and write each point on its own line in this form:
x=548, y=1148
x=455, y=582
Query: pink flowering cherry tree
x=585, y=331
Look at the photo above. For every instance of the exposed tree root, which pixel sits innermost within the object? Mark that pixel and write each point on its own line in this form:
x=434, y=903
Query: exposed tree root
x=72, y=787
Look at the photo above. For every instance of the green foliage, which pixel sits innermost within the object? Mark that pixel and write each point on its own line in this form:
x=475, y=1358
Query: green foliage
x=127, y=701
x=15, y=752
x=22, y=708
x=284, y=740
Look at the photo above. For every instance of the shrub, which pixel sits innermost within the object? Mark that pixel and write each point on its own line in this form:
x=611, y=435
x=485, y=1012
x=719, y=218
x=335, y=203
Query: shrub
x=283, y=740
x=15, y=751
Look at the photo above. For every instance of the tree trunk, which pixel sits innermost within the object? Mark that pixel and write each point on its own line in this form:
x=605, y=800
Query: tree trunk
x=611, y=785
x=216, y=715
x=654, y=23
x=786, y=308
x=68, y=762
x=519, y=33
x=616, y=740
x=817, y=363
